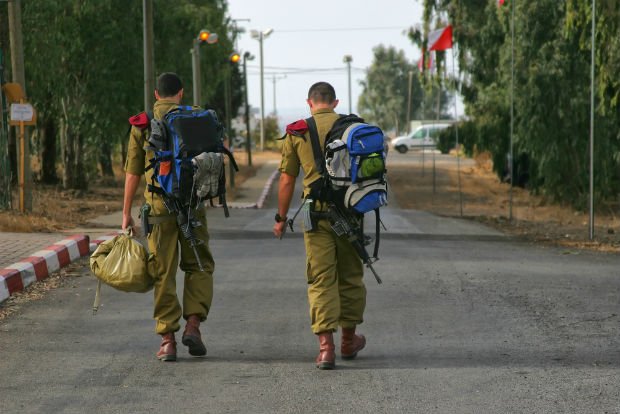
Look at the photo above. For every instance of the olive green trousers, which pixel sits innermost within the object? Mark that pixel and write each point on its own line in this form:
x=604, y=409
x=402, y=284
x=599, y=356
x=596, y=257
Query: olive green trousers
x=336, y=290
x=167, y=243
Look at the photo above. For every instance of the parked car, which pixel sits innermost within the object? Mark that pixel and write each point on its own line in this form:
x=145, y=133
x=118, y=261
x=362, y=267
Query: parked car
x=424, y=136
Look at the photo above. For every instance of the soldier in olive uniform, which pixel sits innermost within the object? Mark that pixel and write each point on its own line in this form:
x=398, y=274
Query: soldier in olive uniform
x=336, y=291
x=166, y=241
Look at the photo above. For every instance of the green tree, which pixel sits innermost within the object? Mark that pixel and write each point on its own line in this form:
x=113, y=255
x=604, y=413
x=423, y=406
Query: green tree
x=383, y=100
x=84, y=69
x=552, y=86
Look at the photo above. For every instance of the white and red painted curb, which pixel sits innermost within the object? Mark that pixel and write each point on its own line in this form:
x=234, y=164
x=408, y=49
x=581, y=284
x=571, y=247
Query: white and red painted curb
x=41, y=264
x=267, y=189
x=101, y=239
x=261, y=200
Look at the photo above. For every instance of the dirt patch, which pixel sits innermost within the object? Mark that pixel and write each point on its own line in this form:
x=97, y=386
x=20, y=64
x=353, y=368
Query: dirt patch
x=55, y=209
x=487, y=200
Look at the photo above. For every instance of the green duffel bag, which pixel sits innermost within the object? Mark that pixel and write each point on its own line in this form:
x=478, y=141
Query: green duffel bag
x=123, y=263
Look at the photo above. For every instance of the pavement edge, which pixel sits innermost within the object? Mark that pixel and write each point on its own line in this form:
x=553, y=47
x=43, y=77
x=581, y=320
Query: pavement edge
x=42, y=263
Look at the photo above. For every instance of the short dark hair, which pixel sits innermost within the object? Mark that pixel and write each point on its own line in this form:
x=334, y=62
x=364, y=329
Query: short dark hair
x=322, y=92
x=168, y=84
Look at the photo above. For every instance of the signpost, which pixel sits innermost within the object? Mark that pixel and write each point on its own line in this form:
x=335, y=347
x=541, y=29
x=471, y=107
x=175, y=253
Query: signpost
x=22, y=114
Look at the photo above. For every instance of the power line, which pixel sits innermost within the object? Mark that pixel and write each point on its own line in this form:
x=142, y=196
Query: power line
x=293, y=69
x=340, y=29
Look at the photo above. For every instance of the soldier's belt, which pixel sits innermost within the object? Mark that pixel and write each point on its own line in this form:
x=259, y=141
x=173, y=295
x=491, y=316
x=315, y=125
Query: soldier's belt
x=160, y=219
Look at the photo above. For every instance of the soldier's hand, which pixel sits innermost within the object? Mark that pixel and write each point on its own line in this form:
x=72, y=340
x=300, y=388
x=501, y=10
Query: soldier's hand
x=279, y=229
x=127, y=222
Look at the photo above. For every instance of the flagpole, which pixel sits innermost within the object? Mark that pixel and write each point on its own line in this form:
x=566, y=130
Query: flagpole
x=456, y=130
x=512, y=103
x=591, y=224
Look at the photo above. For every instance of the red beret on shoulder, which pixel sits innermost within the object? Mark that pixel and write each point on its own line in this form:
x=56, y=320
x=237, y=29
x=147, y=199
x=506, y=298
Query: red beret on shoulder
x=297, y=128
x=140, y=120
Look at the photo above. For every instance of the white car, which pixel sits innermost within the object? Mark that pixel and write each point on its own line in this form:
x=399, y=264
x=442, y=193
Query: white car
x=422, y=137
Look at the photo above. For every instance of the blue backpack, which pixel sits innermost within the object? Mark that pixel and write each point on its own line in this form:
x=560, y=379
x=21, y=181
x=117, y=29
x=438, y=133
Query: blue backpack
x=184, y=134
x=352, y=167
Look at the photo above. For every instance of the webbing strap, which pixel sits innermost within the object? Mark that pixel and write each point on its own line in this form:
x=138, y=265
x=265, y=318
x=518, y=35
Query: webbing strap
x=97, y=298
x=375, y=253
x=316, y=145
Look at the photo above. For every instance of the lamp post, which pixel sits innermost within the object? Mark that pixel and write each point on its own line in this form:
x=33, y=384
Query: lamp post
x=275, y=79
x=248, y=137
x=260, y=35
x=233, y=59
x=348, y=59
x=203, y=36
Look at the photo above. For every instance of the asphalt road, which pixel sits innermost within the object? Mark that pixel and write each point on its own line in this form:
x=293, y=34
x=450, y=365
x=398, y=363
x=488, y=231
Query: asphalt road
x=467, y=321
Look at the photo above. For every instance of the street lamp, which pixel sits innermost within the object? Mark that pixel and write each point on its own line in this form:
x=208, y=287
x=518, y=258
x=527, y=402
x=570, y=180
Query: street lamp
x=203, y=37
x=348, y=59
x=260, y=35
x=248, y=143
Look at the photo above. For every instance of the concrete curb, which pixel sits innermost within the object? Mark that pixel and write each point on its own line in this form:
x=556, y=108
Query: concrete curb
x=261, y=200
x=42, y=263
x=93, y=244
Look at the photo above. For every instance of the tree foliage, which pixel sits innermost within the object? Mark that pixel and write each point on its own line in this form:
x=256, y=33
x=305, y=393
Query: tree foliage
x=383, y=100
x=84, y=72
x=552, y=88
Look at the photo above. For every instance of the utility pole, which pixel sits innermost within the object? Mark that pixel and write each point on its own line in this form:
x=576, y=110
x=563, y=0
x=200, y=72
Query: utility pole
x=17, y=67
x=248, y=137
x=228, y=105
x=409, y=102
x=348, y=59
x=195, y=51
x=149, y=71
x=262, y=95
x=275, y=79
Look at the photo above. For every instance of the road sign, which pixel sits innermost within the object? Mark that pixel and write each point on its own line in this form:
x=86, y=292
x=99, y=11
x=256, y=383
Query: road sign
x=22, y=113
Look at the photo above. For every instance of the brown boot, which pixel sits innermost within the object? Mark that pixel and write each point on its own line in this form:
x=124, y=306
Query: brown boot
x=327, y=354
x=351, y=343
x=168, y=348
x=191, y=337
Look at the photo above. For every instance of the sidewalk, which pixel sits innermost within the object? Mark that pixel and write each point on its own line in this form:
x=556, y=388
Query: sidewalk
x=27, y=257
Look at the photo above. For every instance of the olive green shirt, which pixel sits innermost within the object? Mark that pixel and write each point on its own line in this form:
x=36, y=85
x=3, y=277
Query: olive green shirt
x=138, y=157
x=297, y=151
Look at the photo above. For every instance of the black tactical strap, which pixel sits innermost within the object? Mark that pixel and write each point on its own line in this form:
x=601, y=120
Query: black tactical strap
x=375, y=253
x=316, y=145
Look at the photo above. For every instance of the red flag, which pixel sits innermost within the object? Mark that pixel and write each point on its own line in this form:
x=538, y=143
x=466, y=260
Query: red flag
x=500, y=2
x=440, y=39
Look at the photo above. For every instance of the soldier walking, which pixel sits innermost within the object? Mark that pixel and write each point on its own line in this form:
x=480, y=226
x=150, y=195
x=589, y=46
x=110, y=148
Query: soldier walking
x=334, y=271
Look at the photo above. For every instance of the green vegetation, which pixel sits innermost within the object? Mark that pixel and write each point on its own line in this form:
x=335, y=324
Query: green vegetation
x=552, y=90
x=383, y=100
x=84, y=73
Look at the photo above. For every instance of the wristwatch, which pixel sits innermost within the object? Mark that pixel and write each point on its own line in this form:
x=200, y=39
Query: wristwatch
x=279, y=218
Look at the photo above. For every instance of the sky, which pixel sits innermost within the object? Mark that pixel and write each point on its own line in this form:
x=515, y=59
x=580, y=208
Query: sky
x=317, y=34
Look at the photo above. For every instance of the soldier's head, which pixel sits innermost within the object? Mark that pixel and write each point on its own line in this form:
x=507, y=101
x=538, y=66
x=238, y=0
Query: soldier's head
x=169, y=86
x=322, y=95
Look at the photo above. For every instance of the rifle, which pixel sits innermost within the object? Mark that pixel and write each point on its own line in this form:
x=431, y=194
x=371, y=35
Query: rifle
x=186, y=222
x=348, y=226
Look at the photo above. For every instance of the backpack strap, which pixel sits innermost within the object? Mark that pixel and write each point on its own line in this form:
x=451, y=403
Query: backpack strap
x=227, y=152
x=316, y=145
x=375, y=252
